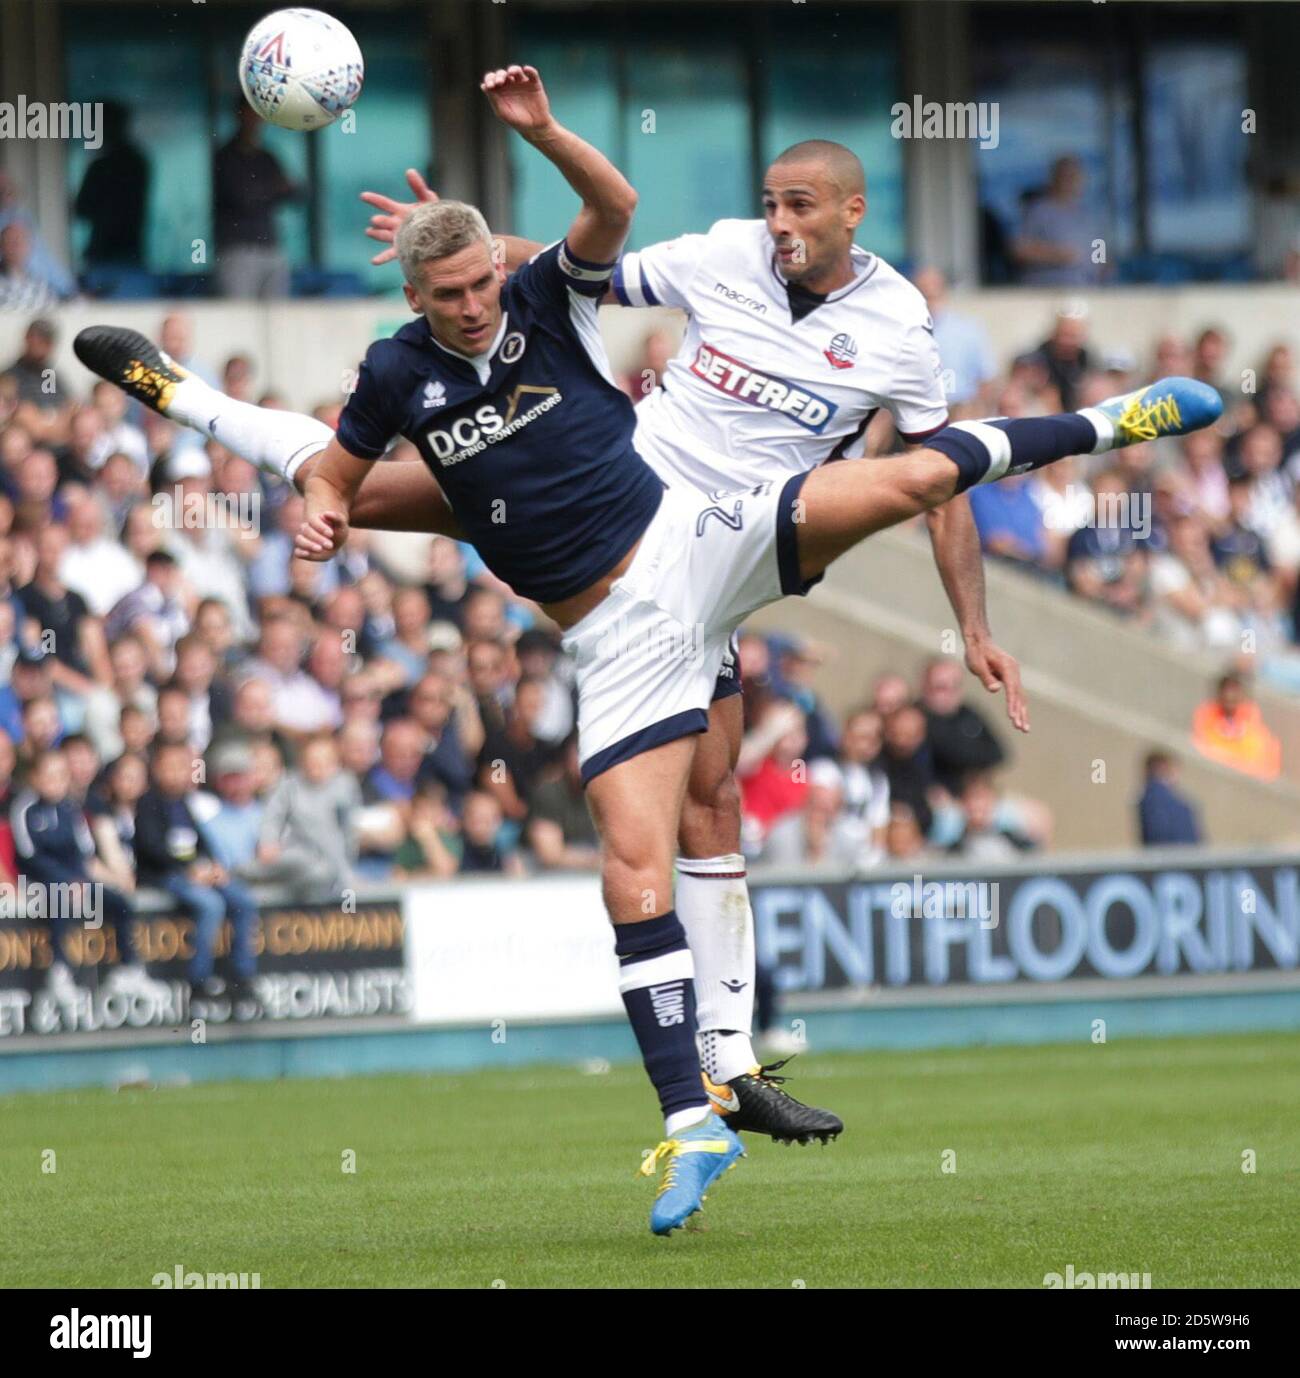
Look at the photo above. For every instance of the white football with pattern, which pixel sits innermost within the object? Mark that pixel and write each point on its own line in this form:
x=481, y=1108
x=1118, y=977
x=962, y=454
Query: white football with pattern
x=300, y=68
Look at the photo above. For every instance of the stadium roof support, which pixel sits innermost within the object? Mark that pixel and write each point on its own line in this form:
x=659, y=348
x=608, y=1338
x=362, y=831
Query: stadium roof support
x=31, y=48
x=942, y=194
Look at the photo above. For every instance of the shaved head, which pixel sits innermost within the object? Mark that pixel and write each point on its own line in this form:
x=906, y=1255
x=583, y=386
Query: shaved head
x=840, y=165
x=814, y=199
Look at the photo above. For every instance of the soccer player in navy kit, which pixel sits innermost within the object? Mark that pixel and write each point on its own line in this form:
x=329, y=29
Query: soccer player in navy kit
x=504, y=389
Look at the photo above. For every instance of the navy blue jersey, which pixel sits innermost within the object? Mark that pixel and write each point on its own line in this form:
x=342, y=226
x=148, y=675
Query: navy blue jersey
x=531, y=442
x=50, y=835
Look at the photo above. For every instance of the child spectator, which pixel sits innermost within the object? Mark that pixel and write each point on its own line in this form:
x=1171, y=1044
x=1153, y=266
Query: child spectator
x=173, y=853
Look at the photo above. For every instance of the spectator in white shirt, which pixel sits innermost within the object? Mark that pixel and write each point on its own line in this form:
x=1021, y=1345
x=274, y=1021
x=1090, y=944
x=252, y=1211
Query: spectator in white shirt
x=118, y=436
x=866, y=790
x=97, y=567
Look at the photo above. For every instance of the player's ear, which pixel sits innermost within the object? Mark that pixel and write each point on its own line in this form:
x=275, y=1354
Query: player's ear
x=411, y=299
x=855, y=210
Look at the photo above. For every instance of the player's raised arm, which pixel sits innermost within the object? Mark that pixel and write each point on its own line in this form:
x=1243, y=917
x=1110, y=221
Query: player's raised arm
x=608, y=198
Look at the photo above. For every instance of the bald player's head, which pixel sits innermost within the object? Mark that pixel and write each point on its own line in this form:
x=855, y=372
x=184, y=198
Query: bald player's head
x=839, y=166
x=814, y=198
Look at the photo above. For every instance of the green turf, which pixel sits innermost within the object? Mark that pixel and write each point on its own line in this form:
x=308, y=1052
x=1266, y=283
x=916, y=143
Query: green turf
x=1117, y=1158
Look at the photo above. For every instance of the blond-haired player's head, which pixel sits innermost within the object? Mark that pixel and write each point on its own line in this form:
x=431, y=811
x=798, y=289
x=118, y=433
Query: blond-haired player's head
x=453, y=274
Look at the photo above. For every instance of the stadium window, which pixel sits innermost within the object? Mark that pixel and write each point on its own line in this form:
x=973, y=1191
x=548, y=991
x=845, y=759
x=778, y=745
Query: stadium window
x=693, y=125
x=1193, y=96
x=1054, y=97
x=161, y=79
x=181, y=90
x=393, y=131
x=1154, y=122
x=675, y=118
x=842, y=89
x=686, y=127
x=579, y=65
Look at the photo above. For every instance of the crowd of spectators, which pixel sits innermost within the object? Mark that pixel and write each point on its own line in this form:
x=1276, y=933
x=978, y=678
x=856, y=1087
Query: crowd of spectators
x=1196, y=540
x=213, y=714
x=911, y=773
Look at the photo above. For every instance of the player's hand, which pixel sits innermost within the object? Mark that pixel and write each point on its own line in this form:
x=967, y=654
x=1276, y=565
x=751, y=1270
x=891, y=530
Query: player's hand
x=994, y=667
x=386, y=224
x=320, y=537
x=518, y=99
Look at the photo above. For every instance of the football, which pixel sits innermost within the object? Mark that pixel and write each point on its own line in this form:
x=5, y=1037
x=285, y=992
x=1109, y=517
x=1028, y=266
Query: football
x=300, y=68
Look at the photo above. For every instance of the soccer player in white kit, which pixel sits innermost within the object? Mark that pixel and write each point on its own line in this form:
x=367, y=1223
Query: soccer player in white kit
x=795, y=338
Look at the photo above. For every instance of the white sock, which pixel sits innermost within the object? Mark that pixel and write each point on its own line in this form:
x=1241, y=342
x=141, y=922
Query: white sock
x=1104, y=427
x=713, y=905
x=684, y=1119
x=278, y=442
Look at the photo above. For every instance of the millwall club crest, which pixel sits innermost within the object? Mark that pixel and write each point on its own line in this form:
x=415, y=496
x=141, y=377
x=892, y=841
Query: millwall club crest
x=842, y=352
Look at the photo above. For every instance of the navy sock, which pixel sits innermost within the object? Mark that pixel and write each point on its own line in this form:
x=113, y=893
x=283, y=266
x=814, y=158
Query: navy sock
x=988, y=450
x=657, y=982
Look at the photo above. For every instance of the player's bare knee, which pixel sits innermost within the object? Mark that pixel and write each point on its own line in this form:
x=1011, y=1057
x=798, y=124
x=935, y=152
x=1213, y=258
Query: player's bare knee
x=928, y=480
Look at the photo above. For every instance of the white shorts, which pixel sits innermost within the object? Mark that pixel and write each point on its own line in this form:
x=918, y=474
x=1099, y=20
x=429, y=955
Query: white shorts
x=648, y=657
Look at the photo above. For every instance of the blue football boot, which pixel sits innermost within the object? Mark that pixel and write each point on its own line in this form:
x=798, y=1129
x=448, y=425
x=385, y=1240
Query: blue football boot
x=692, y=1161
x=1172, y=406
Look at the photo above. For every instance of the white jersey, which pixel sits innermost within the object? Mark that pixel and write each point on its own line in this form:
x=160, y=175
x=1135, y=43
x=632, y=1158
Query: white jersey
x=754, y=395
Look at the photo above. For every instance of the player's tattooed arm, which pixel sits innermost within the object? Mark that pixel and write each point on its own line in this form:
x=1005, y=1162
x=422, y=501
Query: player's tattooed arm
x=608, y=198
x=957, y=555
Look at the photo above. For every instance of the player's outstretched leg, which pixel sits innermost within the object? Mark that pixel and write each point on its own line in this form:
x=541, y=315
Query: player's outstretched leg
x=635, y=806
x=396, y=496
x=278, y=442
x=713, y=904
x=838, y=505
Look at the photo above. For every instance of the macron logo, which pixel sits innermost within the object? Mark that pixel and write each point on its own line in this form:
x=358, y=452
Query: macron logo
x=721, y=289
x=434, y=395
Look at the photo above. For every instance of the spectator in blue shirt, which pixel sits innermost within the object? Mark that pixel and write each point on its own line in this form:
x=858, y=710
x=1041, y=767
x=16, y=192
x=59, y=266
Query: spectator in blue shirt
x=964, y=349
x=29, y=679
x=1165, y=816
x=1103, y=561
x=236, y=825
x=1009, y=521
x=1055, y=245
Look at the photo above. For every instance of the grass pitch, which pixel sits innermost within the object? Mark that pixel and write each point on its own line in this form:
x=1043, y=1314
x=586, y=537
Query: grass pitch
x=1119, y=1158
